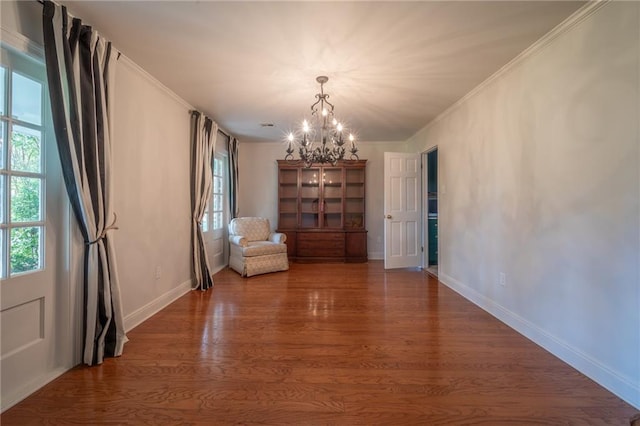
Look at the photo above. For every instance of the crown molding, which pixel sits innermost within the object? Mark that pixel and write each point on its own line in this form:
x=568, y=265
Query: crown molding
x=573, y=20
x=151, y=79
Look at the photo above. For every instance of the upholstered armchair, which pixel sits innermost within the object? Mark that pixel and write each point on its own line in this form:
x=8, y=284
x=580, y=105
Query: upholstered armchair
x=254, y=248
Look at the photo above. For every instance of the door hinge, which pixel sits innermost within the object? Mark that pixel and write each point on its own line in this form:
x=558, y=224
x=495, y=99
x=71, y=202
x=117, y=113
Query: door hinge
x=422, y=249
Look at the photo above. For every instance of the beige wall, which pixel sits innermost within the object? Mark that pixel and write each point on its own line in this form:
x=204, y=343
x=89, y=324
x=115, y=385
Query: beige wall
x=259, y=184
x=538, y=177
x=151, y=156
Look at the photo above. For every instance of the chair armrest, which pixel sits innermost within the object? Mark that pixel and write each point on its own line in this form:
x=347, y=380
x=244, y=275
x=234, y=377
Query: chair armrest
x=277, y=237
x=238, y=240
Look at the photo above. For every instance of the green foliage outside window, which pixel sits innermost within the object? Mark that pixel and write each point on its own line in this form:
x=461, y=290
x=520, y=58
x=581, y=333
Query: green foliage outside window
x=25, y=249
x=25, y=199
x=25, y=202
x=25, y=149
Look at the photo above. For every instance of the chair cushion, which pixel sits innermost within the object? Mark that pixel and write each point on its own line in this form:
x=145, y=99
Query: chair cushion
x=252, y=228
x=261, y=248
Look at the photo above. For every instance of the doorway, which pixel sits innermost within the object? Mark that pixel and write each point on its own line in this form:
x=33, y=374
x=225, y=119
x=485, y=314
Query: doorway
x=431, y=209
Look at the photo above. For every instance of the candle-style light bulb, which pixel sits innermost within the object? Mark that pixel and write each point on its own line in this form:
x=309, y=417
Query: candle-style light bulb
x=305, y=126
x=324, y=112
x=339, y=127
x=289, y=151
x=335, y=122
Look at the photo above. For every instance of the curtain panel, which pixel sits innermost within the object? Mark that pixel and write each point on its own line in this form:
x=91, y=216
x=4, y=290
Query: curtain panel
x=233, y=177
x=203, y=147
x=80, y=74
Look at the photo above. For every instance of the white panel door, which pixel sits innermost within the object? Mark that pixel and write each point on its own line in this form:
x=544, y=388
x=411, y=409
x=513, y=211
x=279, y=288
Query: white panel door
x=402, y=195
x=34, y=290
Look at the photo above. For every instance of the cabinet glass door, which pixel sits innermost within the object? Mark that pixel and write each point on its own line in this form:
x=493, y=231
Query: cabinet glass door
x=310, y=202
x=354, y=198
x=288, y=197
x=332, y=197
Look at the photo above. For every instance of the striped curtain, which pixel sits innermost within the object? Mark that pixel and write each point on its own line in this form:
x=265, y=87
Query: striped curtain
x=80, y=73
x=203, y=147
x=233, y=177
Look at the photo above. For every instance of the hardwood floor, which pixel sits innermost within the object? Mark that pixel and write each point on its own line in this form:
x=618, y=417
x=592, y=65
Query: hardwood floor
x=324, y=344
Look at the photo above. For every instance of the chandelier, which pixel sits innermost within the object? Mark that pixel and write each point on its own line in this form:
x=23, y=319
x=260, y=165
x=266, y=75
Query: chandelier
x=322, y=140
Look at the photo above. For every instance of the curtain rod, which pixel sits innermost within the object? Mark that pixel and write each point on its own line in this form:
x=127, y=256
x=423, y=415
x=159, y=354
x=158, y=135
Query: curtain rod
x=224, y=133
x=220, y=130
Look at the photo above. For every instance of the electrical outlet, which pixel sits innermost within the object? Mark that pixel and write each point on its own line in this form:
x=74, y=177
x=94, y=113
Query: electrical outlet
x=503, y=279
x=158, y=272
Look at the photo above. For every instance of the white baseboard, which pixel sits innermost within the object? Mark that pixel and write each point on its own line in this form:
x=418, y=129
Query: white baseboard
x=216, y=269
x=622, y=386
x=8, y=401
x=376, y=255
x=147, y=311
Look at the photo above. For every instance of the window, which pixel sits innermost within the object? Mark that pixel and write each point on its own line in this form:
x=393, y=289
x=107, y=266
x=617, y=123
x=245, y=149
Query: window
x=217, y=212
x=213, y=219
x=22, y=174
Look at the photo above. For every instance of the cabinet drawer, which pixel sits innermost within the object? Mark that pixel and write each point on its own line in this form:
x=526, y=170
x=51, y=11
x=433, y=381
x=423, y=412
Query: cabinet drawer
x=320, y=244
x=320, y=237
x=320, y=252
x=332, y=244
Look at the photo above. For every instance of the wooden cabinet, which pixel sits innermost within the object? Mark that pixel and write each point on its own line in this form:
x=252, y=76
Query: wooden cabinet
x=322, y=210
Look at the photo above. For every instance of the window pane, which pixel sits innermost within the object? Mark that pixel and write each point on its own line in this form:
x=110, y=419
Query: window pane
x=217, y=167
x=217, y=220
x=3, y=90
x=2, y=203
x=3, y=146
x=26, y=149
x=217, y=185
x=26, y=102
x=25, y=199
x=217, y=202
x=25, y=250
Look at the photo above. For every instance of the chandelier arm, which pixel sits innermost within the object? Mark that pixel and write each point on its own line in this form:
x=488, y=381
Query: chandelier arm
x=319, y=101
x=328, y=103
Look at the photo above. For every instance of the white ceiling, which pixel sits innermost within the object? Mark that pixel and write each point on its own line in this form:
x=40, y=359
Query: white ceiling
x=392, y=66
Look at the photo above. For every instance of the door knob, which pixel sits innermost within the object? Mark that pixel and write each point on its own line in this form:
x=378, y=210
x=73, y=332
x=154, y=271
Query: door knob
x=388, y=216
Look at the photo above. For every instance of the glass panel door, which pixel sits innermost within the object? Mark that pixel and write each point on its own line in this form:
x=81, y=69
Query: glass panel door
x=310, y=202
x=35, y=288
x=332, y=197
x=354, y=198
x=288, y=198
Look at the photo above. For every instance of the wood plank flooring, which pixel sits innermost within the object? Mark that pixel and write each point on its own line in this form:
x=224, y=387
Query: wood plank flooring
x=324, y=344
